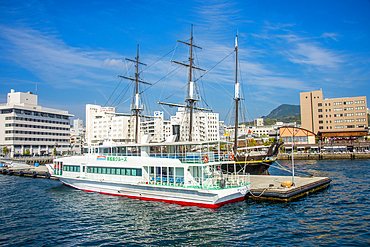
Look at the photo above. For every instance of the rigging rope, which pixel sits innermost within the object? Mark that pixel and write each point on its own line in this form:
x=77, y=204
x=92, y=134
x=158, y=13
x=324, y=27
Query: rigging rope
x=248, y=91
x=160, y=96
x=176, y=91
x=213, y=66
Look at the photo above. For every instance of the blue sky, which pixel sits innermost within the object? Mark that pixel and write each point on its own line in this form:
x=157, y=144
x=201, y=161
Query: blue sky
x=74, y=50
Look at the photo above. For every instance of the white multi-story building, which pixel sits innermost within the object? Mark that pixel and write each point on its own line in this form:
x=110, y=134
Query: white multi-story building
x=33, y=129
x=155, y=128
x=103, y=123
x=256, y=131
x=205, y=126
x=77, y=136
x=77, y=129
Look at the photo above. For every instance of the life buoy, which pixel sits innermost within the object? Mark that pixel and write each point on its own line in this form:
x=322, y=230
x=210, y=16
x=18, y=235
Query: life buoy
x=231, y=156
x=205, y=158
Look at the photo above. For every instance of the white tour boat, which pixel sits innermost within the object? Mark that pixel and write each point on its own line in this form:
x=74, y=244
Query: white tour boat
x=181, y=173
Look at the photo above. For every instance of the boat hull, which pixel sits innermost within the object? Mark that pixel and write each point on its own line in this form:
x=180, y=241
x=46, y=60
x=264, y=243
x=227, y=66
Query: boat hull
x=258, y=167
x=167, y=194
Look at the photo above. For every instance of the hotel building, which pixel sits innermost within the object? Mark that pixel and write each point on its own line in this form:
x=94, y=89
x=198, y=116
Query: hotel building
x=205, y=126
x=30, y=128
x=337, y=116
x=103, y=123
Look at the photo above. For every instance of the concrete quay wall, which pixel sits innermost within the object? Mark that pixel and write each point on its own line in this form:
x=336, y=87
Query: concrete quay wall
x=324, y=156
x=34, y=160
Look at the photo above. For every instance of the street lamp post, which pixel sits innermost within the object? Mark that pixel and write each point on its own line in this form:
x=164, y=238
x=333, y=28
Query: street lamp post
x=294, y=130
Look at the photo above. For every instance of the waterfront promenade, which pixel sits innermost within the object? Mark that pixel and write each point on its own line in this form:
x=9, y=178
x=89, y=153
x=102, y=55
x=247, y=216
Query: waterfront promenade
x=324, y=156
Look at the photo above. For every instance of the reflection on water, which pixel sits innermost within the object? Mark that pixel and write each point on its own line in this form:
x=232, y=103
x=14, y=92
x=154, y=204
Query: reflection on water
x=38, y=212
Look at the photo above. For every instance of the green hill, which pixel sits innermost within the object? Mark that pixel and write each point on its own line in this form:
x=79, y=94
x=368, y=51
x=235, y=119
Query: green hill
x=284, y=111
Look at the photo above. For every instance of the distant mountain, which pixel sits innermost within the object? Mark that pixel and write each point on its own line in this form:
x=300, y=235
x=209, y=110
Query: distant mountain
x=284, y=111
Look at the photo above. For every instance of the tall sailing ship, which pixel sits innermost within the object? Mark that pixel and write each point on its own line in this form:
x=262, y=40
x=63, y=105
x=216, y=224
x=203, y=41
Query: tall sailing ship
x=185, y=173
x=254, y=160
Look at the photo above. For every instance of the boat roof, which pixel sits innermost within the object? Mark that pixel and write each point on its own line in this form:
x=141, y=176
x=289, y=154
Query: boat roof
x=253, y=147
x=118, y=144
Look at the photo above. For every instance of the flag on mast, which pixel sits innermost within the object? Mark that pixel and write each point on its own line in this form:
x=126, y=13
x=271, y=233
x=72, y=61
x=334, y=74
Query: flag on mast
x=236, y=41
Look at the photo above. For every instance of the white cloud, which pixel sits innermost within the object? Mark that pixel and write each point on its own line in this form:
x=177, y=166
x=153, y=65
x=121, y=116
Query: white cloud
x=313, y=54
x=113, y=63
x=54, y=62
x=331, y=35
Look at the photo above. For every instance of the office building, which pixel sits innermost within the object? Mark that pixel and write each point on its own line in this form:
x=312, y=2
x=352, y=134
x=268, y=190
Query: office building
x=32, y=129
x=337, y=115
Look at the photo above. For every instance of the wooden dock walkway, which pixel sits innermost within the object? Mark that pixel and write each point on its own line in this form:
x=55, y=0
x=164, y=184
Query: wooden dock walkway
x=27, y=171
x=270, y=187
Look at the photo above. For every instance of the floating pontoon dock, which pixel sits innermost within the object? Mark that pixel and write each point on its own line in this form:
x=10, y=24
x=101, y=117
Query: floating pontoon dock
x=270, y=187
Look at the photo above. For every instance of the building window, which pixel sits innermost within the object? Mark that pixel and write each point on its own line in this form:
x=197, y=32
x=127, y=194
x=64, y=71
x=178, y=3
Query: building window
x=350, y=126
x=338, y=115
x=319, y=104
x=361, y=120
x=339, y=127
x=360, y=113
x=320, y=110
x=338, y=109
x=360, y=107
x=348, y=114
x=320, y=122
x=337, y=103
x=349, y=109
x=320, y=116
x=360, y=102
x=348, y=102
x=349, y=120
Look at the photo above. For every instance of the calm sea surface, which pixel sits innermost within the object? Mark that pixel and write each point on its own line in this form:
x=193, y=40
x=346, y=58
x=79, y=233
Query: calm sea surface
x=40, y=212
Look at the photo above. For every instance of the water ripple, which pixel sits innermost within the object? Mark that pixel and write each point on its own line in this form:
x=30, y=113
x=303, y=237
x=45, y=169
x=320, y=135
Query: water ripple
x=39, y=212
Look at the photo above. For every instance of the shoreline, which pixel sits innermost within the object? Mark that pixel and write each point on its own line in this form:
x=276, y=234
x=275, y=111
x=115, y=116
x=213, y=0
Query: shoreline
x=323, y=156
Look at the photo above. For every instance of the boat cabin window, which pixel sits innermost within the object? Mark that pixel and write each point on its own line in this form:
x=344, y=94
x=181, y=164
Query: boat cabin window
x=165, y=175
x=69, y=168
x=115, y=171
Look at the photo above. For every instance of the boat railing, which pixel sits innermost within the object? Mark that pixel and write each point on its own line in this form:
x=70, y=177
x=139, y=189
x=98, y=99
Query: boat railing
x=226, y=181
x=169, y=180
x=188, y=157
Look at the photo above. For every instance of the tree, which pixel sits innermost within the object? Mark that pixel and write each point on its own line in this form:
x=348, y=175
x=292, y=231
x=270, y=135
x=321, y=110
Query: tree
x=270, y=142
x=55, y=151
x=6, y=151
x=252, y=143
x=27, y=152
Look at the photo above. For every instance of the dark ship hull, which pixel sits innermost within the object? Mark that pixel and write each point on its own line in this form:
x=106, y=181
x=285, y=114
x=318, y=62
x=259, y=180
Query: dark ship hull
x=254, y=164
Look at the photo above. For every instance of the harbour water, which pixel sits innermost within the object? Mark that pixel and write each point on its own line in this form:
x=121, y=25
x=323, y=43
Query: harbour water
x=41, y=212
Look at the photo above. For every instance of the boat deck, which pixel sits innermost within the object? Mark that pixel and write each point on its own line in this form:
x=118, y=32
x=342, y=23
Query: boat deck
x=270, y=187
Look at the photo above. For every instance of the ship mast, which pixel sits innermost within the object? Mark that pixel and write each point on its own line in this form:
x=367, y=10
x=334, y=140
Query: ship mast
x=136, y=107
x=191, y=100
x=236, y=98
